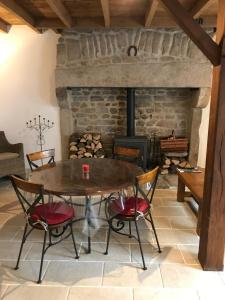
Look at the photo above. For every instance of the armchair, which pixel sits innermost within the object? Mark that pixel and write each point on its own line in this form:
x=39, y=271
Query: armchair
x=11, y=158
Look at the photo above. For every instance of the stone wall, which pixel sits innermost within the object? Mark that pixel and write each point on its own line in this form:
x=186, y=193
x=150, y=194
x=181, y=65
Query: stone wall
x=104, y=110
x=165, y=58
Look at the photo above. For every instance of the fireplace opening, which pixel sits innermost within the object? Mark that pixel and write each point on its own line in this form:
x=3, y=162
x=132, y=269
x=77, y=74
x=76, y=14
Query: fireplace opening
x=134, y=117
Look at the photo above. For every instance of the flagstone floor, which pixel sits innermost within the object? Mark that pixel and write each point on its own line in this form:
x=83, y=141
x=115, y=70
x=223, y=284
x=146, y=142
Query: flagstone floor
x=173, y=274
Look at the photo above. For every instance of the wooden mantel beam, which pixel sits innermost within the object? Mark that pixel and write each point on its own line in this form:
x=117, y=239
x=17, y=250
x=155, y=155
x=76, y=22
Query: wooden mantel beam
x=19, y=12
x=202, y=40
x=60, y=10
x=106, y=12
x=198, y=7
x=151, y=12
x=4, y=26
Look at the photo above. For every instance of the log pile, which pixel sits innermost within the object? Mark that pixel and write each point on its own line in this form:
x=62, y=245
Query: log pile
x=171, y=163
x=87, y=146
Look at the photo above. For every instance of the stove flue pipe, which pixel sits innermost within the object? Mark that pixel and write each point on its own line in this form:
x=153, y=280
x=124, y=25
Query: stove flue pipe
x=130, y=112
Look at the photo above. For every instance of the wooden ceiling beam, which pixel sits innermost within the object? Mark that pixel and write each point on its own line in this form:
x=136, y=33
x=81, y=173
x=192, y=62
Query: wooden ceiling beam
x=115, y=22
x=201, y=39
x=106, y=12
x=19, y=12
x=60, y=10
x=153, y=5
x=198, y=7
x=4, y=27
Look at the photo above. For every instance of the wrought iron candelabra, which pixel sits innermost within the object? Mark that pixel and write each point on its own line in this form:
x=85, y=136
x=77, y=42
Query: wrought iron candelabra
x=40, y=125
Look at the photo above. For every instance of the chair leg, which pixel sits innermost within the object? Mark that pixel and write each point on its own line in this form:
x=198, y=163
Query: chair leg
x=108, y=238
x=21, y=247
x=156, y=237
x=130, y=233
x=74, y=243
x=139, y=241
x=42, y=258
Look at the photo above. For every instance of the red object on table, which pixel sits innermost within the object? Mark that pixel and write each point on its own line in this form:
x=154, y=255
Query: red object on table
x=85, y=168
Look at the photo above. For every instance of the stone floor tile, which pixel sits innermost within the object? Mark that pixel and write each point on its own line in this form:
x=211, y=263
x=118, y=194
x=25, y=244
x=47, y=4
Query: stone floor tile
x=165, y=192
x=146, y=236
x=27, y=273
x=188, y=276
x=117, y=252
x=103, y=293
x=3, y=288
x=9, y=250
x=189, y=253
x=189, y=222
x=211, y=293
x=8, y=233
x=131, y=275
x=170, y=254
x=170, y=201
x=161, y=222
x=175, y=236
x=165, y=294
x=61, y=251
x=74, y=273
x=168, y=211
x=36, y=293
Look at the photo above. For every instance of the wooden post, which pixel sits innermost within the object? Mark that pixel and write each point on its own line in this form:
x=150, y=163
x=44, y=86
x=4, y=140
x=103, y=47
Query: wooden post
x=212, y=234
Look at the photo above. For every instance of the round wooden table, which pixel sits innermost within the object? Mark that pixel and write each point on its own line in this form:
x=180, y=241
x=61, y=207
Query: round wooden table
x=106, y=176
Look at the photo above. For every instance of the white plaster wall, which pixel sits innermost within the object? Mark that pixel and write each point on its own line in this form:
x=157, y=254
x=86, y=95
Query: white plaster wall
x=203, y=133
x=27, y=86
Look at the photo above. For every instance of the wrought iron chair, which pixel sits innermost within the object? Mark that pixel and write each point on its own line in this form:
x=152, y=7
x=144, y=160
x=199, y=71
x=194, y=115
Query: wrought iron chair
x=128, y=154
x=131, y=209
x=54, y=218
x=41, y=156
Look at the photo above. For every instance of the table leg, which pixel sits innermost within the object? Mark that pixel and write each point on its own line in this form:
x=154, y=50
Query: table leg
x=180, y=190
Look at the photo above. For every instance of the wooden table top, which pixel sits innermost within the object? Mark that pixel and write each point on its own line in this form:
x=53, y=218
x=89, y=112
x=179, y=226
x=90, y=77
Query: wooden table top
x=105, y=176
x=195, y=182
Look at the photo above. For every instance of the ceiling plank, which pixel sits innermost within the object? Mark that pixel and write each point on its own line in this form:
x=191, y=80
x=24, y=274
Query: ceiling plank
x=4, y=27
x=106, y=12
x=201, y=39
x=153, y=5
x=198, y=7
x=19, y=12
x=60, y=10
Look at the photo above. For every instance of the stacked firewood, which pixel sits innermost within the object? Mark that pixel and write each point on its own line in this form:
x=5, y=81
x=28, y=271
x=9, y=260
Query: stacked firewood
x=171, y=163
x=89, y=145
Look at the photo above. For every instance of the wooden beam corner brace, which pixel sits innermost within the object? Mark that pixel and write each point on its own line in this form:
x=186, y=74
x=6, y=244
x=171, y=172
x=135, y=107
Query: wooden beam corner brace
x=153, y=5
x=61, y=11
x=201, y=39
x=106, y=12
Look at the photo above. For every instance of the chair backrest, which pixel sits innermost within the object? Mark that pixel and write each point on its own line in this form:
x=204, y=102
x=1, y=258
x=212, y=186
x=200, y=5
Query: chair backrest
x=126, y=153
x=148, y=179
x=21, y=186
x=40, y=156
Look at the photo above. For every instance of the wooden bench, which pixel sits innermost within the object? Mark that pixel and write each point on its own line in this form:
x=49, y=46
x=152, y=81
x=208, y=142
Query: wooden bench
x=195, y=183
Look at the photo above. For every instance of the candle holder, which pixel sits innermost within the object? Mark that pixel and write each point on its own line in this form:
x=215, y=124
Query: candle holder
x=40, y=125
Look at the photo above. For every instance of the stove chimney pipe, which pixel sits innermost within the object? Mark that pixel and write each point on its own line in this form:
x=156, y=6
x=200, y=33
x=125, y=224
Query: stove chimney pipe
x=130, y=112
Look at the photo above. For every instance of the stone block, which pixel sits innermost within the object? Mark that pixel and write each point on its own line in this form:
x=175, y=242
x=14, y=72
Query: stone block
x=73, y=50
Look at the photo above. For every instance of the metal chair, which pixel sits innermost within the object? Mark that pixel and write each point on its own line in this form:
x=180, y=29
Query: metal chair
x=131, y=209
x=53, y=218
x=40, y=156
x=123, y=153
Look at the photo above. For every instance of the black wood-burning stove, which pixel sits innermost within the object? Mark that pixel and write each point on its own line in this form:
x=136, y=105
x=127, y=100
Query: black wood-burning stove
x=131, y=140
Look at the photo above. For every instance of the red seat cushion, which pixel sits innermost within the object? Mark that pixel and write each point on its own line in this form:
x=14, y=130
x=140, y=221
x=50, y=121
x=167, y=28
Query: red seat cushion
x=126, y=207
x=53, y=213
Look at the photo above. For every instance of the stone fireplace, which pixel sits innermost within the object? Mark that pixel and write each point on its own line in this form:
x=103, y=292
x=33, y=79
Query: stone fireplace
x=171, y=77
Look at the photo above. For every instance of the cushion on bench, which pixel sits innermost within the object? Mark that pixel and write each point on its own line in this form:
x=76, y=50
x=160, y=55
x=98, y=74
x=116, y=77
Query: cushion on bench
x=8, y=155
